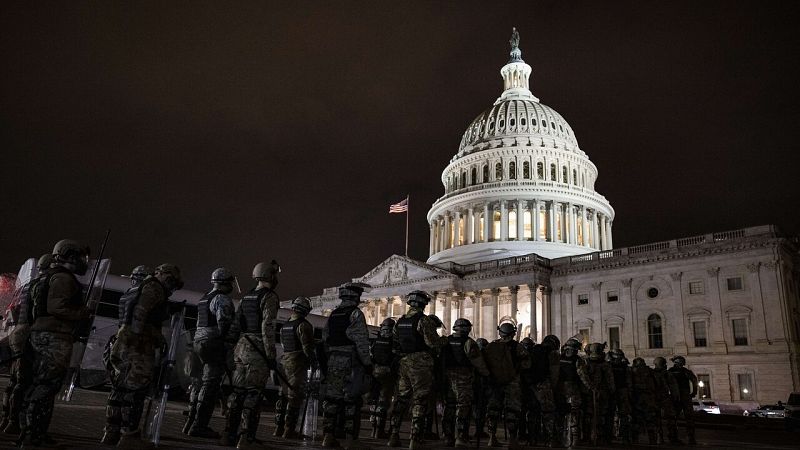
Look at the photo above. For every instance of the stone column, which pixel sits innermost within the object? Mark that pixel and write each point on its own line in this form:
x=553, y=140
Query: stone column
x=520, y=220
x=717, y=334
x=456, y=228
x=469, y=225
x=629, y=339
x=535, y=220
x=448, y=231
x=486, y=222
x=490, y=224
x=610, y=236
x=546, y=293
x=432, y=248
x=533, y=288
x=503, y=220
x=597, y=238
x=551, y=222
x=447, y=310
x=759, y=333
x=495, y=306
x=442, y=234
x=514, y=303
x=680, y=329
x=584, y=226
x=435, y=296
x=573, y=217
x=604, y=226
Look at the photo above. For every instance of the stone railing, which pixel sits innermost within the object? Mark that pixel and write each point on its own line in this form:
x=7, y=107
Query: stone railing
x=464, y=269
x=516, y=183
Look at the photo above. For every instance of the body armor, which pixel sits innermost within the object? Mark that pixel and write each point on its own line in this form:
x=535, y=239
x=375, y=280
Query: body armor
x=411, y=340
x=40, y=289
x=621, y=372
x=454, y=354
x=250, y=315
x=683, y=380
x=129, y=300
x=204, y=316
x=289, y=339
x=382, y=351
x=568, y=371
x=338, y=323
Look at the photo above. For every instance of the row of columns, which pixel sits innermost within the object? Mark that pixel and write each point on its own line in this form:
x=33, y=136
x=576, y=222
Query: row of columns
x=594, y=232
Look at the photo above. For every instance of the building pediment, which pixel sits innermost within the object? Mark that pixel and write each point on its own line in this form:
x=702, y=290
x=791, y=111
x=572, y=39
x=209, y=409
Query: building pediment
x=398, y=270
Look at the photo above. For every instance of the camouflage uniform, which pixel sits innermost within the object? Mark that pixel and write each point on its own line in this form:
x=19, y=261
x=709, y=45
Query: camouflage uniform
x=57, y=311
x=568, y=396
x=346, y=339
x=542, y=378
x=505, y=382
x=251, y=371
x=460, y=357
x=620, y=406
x=193, y=369
x=482, y=391
x=297, y=338
x=644, y=401
x=385, y=374
x=414, y=337
x=133, y=354
x=598, y=378
x=666, y=395
x=687, y=390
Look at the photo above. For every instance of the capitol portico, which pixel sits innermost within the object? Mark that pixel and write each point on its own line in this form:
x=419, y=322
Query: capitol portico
x=520, y=234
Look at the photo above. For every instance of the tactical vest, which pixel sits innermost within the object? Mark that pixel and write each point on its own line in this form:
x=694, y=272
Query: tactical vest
x=129, y=300
x=455, y=354
x=568, y=371
x=382, y=351
x=204, y=316
x=620, y=375
x=643, y=379
x=502, y=360
x=250, y=315
x=289, y=339
x=411, y=340
x=684, y=383
x=40, y=289
x=338, y=323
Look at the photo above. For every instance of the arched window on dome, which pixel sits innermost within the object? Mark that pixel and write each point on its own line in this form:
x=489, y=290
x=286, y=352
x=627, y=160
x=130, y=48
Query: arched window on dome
x=512, y=170
x=527, y=225
x=496, y=226
x=540, y=170
x=463, y=180
x=474, y=176
x=512, y=224
x=574, y=177
x=485, y=178
x=526, y=170
x=498, y=171
x=553, y=173
x=564, y=175
x=655, y=335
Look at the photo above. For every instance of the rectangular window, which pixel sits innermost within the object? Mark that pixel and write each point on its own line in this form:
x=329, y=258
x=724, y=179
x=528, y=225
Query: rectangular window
x=739, y=331
x=703, y=386
x=613, y=338
x=745, y=386
x=583, y=299
x=699, y=329
x=584, y=332
x=735, y=284
x=612, y=296
x=696, y=287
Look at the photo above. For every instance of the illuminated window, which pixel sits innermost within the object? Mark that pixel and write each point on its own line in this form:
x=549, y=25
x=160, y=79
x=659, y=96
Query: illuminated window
x=527, y=225
x=703, y=386
x=512, y=225
x=734, y=284
x=583, y=299
x=655, y=337
x=512, y=170
x=485, y=173
x=461, y=229
x=579, y=226
x=452, y=230
x=498, y=171
x=526, y=170
x=699, y=331
x=553, y=173
x=481, y=223
x=496, y=226
x=540, y=170
x=473, y=176
x=745, y=386
x=558, y=224
x=613, y=338
x=696, y=287
x=542, y=225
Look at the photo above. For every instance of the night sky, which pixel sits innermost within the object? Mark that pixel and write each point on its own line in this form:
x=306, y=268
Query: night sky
x=208, y=134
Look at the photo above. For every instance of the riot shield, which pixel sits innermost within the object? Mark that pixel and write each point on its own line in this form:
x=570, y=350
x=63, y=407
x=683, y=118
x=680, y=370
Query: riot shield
x=311, y=410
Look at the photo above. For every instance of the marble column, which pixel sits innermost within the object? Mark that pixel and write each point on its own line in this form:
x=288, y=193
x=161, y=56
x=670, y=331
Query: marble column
x=546, y=293
x=533, y=288
x=435, y=296
x=432, y=250
x=535, y=220
x=495, y=307
x=448, y=230
x=680, y=326
x=514, y=303
x=447, y=310
x=456, y=228
x=551, y=223
x=573, y=225
x=520, y=220
x=469, y=232
x=503, y=220
x=442, y=233
x=490, y=224
x=584, y=226
x=717, y=333
x=486, y=222
x=760, y=334
x=610, y=236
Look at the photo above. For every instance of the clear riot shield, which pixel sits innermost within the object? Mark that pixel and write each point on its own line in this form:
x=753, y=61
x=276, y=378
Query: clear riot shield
x=311, y=407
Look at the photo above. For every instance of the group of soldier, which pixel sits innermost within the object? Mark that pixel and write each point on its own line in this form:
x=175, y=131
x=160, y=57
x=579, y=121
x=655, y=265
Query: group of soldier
x=545, y=393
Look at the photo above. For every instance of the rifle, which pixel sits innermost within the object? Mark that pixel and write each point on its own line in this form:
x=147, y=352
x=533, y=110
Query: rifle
x=83, y=328
x=152, y=431
x=271, y=363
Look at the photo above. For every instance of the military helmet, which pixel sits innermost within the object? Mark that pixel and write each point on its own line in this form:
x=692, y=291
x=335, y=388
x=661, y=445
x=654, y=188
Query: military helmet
x=568, y=350
x=265, y=271
x=173, y=271
x=349, y=290
x=660, y=363
x=462, y=326
x=222, y=275
x=527, y=343
x=68, y=251
x=596, y=351
x=388, y=324
x=301, y=305
x=139, y=273
x=574, y=343
x=678, y=360
x=552, y=341
x=482, y=343
x=507, y=329
x=44, y=261
x=418, y=298
x=617, y=354
x=639, y=362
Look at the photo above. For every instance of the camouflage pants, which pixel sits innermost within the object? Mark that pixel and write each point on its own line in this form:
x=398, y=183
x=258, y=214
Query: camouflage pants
x=385, y=382
x=542, y=414
x=290, y=399
x=620, y=410
x=568, y=414
x=414, y=383
x=458, y=401
x=342, y=392
x=482, y=392
x=596, y=423
x=683, y=407
x=51, y=357
x=249, y=377
x=644, y=413
x=133, y=359
x=508, y=396
x=213, y=354
x=18, y=382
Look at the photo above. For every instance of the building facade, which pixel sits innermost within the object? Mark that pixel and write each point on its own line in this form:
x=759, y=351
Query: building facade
x=521, y=235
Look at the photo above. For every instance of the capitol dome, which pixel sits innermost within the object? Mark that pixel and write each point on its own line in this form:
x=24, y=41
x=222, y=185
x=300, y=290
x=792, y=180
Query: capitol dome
x=519, y=184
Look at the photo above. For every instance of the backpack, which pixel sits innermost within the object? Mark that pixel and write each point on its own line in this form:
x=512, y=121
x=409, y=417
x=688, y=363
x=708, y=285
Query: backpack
x=501, y=358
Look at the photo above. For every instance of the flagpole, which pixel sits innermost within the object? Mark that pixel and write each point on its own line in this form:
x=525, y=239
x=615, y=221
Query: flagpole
x=408, y=208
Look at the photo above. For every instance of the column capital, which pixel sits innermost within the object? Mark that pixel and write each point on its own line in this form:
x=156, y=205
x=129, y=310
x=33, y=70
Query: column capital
x=495, y=291
x=771, y=265
x=546, y=289
x=753, y=267
x=597, y=285
x=676, y=276
x=513, y=289
x=713, y=271
x=626, y=282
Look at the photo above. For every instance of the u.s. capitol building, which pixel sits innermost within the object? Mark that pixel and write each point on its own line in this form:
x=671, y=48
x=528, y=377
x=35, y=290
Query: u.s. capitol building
x=520, y=233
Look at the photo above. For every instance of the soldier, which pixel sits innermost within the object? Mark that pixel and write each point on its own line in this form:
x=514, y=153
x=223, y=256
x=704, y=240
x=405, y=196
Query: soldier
x=620, y=406
x=251, y=367
x=385, y=377
x=529, y=415
x=214, y=337
x=545, y=369
x=666, y=396
x=482, y=391
x=58, y=307
x=439, y=387
x=505, y=358
x=297, y=338
x=133, y=355
x=414, y=338
x=568, y=395
x=598, y=378
x=20, y=373
x=687, y=390
x=346, y=339
x=460, y=357
x=643, y=401
x=116, y=399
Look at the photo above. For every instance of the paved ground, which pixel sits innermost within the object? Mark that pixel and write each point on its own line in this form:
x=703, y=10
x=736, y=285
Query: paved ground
x=79, y=424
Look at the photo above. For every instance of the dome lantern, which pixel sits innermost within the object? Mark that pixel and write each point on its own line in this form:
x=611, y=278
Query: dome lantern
x=516, y=74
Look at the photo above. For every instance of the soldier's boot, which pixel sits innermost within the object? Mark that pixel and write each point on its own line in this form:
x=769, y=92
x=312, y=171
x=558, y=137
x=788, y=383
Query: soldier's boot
x=379, y=432
x=462, y=441
x=394, y=438
x=449, y=440
x=200, y=426
x=110, y=437
x=133, y=440
x=673, y=436
x=690, y=432
x=493, y=440
x=190, y=417
x=280, y=424
x=12, y=427
x=329, y=441
x=290, y=431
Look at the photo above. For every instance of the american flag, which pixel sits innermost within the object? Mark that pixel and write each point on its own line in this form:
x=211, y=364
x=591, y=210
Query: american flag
x=400, y=207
